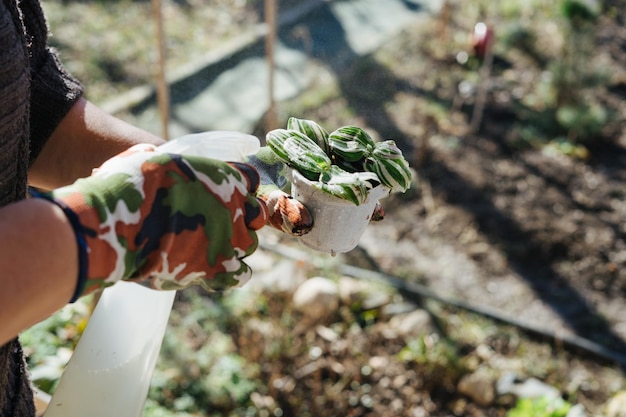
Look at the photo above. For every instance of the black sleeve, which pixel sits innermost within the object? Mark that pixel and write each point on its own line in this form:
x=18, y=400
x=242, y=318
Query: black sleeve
x=53, y=90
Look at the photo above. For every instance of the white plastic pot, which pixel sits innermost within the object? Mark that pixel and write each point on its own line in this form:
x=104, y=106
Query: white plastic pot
x=110, y=371
x=338, y=224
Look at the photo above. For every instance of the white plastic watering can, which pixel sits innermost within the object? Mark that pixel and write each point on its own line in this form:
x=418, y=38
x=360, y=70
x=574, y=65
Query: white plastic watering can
x=110, y=371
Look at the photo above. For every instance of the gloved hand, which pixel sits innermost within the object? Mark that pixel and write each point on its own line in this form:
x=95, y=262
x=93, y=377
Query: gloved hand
x=173, y=220
x=285, y=212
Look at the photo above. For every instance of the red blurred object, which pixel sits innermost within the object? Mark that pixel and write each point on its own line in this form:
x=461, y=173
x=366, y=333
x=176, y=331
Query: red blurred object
x=481, y=39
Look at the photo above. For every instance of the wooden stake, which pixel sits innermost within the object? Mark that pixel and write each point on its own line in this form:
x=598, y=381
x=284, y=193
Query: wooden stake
x=271, y=11
x=162, y=87
x=444, y=21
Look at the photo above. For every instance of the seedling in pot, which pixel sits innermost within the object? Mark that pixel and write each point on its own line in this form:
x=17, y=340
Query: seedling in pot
x=346, y=163
x=339, y=177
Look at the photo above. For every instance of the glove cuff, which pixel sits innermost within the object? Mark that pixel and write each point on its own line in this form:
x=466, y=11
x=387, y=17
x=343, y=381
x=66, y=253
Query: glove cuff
x=81, y=243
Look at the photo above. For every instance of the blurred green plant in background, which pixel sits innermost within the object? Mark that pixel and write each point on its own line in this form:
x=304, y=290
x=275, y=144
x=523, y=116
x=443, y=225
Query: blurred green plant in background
x=199, y=367
x=563, y=110
x=540, y=407
x=50, y=343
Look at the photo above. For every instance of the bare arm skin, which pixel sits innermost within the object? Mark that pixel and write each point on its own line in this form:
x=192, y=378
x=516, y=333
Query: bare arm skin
x=38, y=250
x=84, y=139
x=38, y=256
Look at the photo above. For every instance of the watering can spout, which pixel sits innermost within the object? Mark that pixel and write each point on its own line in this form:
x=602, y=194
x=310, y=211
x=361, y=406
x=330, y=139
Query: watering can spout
x=110, y=371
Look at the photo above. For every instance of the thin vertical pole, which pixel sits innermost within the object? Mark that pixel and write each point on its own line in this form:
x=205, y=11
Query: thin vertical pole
x=270, y=43
x=483, y=86
x=162, y=88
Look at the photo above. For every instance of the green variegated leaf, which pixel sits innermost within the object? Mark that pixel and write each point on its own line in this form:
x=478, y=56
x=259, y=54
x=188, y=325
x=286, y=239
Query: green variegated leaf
x=343, y=191
x=392, y=169
x=389, y=164
x=311, y=129
x=353, y=166
x=298, y=151
x=350, y=143
x=276, y=140
x=356, y=166
x=387, y=149
x=351, y=186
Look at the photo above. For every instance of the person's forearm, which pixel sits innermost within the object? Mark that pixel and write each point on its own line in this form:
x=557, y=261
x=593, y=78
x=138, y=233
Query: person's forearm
x=38, y=263
x=85, y=138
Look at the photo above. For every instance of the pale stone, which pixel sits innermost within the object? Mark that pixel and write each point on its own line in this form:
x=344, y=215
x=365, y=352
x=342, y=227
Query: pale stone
x=577, y=410
x=478, y=386
x=616, y=406
x=351, y=290
x=535, y=388
x=317, y=299
x=413, y=324
x=283, y=277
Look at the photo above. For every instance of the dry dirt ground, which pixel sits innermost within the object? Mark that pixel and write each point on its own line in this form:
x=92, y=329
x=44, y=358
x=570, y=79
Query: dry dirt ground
x=524, y=229
x=530, y=232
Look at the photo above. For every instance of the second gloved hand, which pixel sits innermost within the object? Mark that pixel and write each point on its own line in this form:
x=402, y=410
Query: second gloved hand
x=285, y=213
x=171, y=219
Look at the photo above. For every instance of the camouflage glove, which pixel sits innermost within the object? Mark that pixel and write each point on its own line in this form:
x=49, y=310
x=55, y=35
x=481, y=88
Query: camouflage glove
x=173, y=220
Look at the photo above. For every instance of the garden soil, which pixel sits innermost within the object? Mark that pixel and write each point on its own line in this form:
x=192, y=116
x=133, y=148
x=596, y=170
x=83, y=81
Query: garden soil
x=529, y=231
